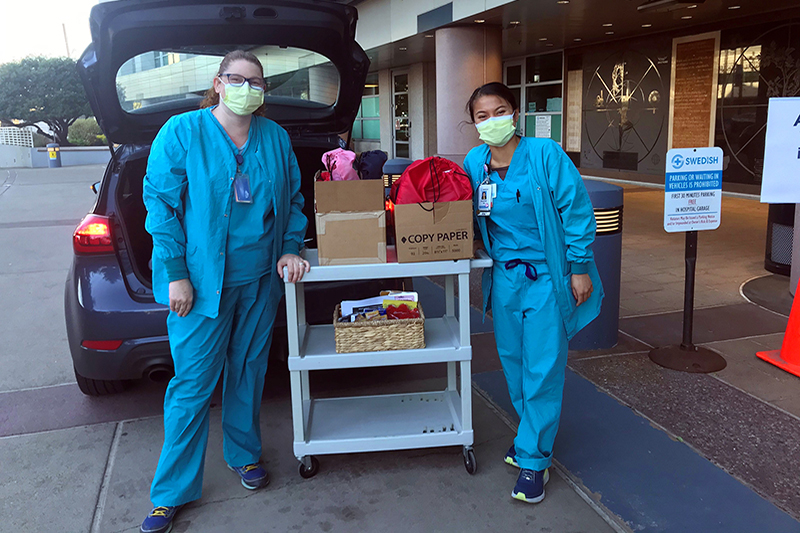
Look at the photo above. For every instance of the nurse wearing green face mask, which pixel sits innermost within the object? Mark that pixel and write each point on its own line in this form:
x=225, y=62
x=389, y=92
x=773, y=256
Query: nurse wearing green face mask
x=544, y=286
x=224, y=208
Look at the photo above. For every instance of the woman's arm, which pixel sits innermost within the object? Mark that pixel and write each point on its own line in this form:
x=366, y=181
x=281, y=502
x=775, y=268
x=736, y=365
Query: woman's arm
x=164, y=187
x=577, y=217
x=574, y=206
x=297, y=224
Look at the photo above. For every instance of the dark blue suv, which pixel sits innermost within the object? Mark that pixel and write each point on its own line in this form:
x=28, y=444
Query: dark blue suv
x=148, y=61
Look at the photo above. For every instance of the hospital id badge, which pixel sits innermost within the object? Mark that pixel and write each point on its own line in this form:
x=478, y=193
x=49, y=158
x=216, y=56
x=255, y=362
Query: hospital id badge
x=485, y=199
x=241, y=189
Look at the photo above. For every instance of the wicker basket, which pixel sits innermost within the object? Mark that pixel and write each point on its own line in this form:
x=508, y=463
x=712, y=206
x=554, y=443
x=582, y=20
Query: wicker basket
x=379, y=335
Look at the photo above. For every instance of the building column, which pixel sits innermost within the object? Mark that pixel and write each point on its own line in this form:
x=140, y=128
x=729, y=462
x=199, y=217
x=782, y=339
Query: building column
x=466, y=58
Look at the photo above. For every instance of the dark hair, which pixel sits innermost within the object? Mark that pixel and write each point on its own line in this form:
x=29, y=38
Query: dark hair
x=212, y=97
x=494, y=88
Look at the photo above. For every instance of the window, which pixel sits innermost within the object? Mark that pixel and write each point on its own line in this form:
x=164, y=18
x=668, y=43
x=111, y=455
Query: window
x=160, y=59
x=367, y=126
x=537, y=82
x=165, y=76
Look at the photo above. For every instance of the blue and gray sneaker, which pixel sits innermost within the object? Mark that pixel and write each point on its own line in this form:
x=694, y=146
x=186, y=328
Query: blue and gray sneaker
x=159, y=520
x=511, y=457
x=530, y=485
x=253, y=476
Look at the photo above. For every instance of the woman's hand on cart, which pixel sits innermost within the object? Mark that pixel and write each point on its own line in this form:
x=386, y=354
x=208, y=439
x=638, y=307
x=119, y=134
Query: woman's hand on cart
x=296, y=266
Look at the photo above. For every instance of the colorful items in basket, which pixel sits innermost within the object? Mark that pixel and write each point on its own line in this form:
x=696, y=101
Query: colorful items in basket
x=402, y=312
x=390, y=305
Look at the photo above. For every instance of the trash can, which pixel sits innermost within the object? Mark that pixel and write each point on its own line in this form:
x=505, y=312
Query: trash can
x=780, y=235
x=607, y=201
x=54, y=155
x=395, y=167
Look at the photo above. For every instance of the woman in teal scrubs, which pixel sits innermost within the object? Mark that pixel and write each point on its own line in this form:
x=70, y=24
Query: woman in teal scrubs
x=224, y=208
x=544, y=286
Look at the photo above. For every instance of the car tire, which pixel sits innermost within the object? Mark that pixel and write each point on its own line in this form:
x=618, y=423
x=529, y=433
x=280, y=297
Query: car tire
x=100, y=387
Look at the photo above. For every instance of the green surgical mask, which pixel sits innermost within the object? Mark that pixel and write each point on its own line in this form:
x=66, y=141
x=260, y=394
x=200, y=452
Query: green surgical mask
x=243, y=100
x=497, y=131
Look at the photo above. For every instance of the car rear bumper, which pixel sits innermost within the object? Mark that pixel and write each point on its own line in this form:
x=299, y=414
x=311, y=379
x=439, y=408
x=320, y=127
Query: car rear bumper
x=98, y=306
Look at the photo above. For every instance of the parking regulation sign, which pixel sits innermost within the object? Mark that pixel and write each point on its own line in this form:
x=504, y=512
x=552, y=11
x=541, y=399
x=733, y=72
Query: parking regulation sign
x=693, y=189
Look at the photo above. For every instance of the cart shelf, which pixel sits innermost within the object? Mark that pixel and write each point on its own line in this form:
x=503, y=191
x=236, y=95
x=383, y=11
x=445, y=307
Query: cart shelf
x=390, y=269
x=318, y=349
x=387, y=422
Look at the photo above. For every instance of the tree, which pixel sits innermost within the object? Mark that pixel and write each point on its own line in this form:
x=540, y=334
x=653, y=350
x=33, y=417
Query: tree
x=43, y=89
x=86, y=132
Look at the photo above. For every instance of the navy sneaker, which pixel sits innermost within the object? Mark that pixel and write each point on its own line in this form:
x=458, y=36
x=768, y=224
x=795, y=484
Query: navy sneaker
x=159, y=520
x=530, y=485
x=253, y=476
x=511, y=457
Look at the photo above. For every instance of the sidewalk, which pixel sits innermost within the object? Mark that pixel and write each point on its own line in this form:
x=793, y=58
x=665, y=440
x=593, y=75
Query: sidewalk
x=97, y=478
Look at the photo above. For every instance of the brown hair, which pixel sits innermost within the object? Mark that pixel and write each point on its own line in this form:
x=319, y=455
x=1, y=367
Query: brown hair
x=212, y=97
x=491, y=89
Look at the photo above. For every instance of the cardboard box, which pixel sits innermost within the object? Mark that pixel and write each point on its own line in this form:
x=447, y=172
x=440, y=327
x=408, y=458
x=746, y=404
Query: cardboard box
x=351, y=222
x=349, y=196
x=433, y=232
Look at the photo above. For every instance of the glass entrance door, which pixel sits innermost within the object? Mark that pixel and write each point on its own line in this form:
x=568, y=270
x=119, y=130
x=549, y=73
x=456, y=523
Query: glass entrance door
x=401, y=120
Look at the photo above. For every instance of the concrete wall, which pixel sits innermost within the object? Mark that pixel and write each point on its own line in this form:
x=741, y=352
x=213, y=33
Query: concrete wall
x=466, y=58
x=386, y=111
x=366, y=146
x=431, y=147
x=386, y=21
x=15, y=156
x=72, y=156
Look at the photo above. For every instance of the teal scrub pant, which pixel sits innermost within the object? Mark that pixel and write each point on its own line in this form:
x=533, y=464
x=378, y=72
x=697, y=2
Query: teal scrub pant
x=532, y=344
x=237, y=341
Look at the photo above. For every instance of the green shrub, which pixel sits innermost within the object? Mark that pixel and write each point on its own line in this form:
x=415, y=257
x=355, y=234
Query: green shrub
x=85, y=132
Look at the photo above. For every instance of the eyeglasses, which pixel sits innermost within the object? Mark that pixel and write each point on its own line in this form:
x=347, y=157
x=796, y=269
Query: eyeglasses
x=237, y=80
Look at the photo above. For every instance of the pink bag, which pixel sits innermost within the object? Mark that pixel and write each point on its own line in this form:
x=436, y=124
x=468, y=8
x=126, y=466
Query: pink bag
x=339, y=163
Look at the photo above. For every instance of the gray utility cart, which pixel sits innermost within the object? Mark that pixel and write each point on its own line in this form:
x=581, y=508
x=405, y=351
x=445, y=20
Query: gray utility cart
x=391, y=421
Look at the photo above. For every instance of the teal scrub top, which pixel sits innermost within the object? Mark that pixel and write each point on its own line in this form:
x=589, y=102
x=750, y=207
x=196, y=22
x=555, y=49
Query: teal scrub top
x=565, y=221
x=512, y=224
x=187, y=199
x=249, y=245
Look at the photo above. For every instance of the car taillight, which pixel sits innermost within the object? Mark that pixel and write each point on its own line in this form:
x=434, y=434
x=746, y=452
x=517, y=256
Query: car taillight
x=93, y=236
x=101, y=345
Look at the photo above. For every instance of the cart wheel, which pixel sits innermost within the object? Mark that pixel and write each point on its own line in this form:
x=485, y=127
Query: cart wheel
x=469, y=461
x=309, y=471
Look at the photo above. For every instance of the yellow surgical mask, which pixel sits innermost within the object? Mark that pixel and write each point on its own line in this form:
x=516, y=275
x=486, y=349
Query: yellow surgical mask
x=497, y=131
x=243, y=100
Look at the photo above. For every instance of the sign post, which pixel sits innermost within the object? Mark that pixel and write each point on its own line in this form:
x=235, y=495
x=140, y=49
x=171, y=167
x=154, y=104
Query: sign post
x=692, y=203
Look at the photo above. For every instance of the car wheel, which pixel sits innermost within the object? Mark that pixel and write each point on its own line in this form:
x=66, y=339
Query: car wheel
x=100, y=387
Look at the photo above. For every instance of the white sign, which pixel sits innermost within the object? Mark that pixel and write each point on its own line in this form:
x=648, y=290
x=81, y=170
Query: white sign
x=693, y=189
x=781, y=179
x=543, y=123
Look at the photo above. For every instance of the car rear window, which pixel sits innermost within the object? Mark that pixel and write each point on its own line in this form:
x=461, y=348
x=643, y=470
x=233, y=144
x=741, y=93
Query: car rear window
x=152, y=81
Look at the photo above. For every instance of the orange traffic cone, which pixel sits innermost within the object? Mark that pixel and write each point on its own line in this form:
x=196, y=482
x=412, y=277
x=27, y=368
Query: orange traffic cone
x=788, y=357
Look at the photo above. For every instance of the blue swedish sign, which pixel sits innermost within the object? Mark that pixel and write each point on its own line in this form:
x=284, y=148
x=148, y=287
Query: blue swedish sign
x=693, y=189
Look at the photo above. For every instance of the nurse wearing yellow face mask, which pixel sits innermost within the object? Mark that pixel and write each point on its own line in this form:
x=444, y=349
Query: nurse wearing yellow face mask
x=224, y=208
x=544, y=285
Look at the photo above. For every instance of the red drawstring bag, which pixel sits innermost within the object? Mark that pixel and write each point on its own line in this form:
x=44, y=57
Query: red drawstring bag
x=434, y=179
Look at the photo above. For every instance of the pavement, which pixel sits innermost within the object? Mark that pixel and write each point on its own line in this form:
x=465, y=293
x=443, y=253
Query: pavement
x=629, y=427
